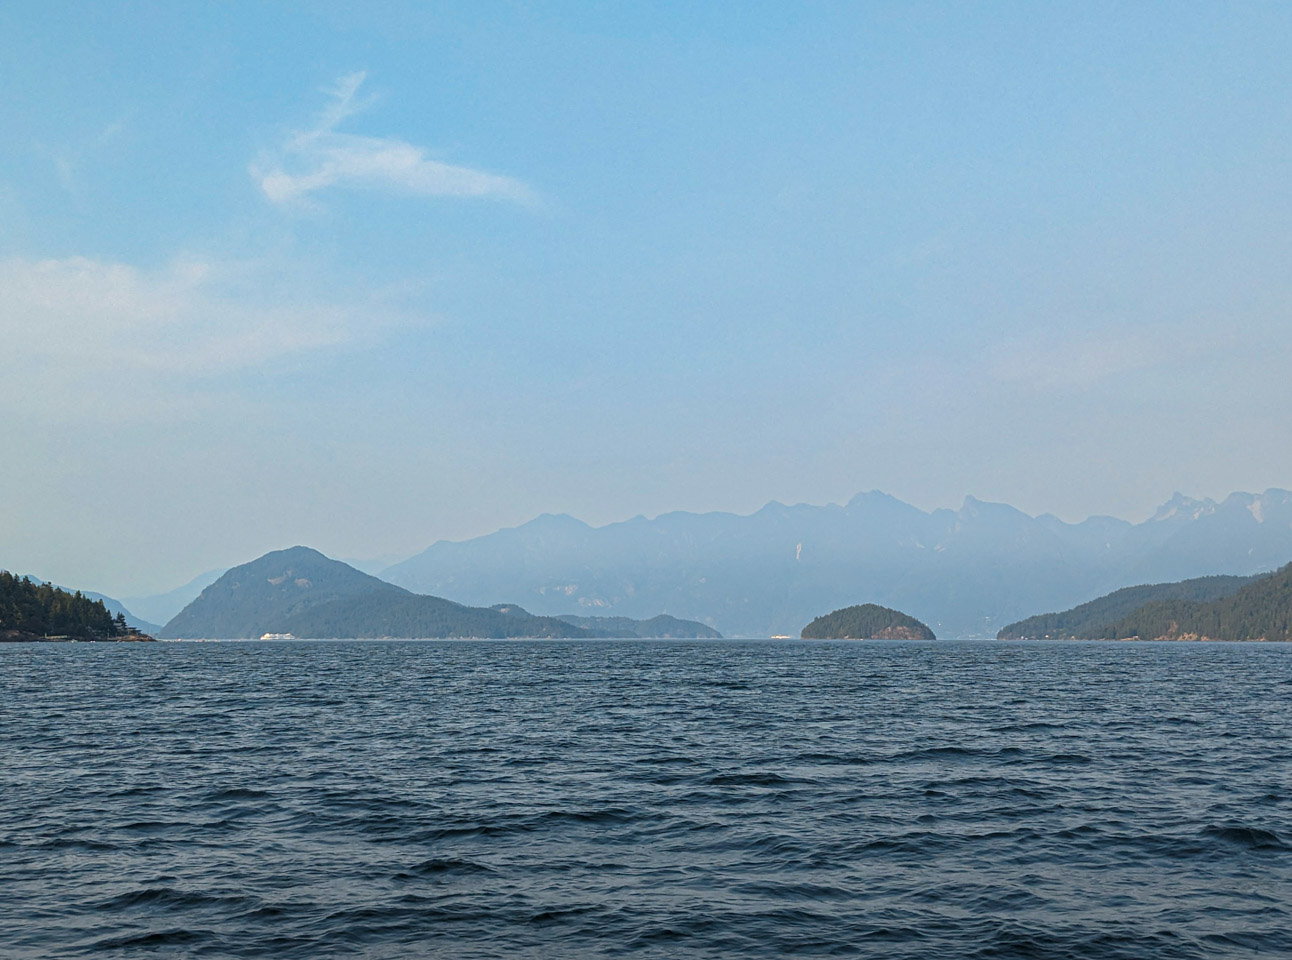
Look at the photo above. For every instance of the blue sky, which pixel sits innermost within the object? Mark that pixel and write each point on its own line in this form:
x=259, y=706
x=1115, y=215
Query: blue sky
x=366, y=277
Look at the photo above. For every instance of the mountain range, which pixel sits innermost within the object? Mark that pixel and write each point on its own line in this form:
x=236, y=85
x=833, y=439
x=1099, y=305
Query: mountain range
x=966, y=572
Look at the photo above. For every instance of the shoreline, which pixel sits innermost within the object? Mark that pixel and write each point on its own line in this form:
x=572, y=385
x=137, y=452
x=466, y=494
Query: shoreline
x=17, y=636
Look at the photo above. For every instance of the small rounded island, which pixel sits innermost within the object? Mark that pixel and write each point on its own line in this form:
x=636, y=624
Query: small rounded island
x=867, y=621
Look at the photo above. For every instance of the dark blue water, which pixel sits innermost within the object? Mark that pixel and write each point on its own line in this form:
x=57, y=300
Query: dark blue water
x=637, y=799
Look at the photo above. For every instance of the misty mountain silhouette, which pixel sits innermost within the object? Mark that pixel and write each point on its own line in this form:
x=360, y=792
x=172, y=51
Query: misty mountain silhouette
x=302, y=592
x=965, y=572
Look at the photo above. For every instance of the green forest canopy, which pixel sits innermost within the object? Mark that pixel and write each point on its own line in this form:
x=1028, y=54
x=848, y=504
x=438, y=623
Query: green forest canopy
x=42, y=610
x=1092, y=620
x=1260, y=609
x=865, y=622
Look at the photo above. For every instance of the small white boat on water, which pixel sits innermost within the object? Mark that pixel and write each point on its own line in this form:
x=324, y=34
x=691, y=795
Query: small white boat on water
x=277, y=636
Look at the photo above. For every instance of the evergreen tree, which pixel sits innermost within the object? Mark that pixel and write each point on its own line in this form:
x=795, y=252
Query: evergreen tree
x=43, y=610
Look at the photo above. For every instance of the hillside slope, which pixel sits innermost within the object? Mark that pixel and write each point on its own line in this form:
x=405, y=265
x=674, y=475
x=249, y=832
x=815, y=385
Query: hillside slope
x=34, y=610
x=1094, y=618
x=662, y=627
x=1262, y=610
x=302, y=592
x=866, y=621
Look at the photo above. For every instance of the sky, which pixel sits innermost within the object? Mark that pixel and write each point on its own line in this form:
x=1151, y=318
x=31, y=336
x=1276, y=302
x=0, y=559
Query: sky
x=366, y=276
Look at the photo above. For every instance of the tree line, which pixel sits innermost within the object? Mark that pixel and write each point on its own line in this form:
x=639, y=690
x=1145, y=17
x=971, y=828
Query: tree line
x=1213, y=608
x=864, y=622
x=1261, y=611
x=46, y=611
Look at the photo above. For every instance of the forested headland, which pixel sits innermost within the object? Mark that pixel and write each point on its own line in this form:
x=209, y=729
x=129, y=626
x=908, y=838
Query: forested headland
x=32, y=611
x=1209, y=608
x=1095, y=618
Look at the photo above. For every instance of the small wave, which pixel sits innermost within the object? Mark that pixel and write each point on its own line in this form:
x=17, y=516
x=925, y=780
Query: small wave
x=174, y=937
x=1254, y=838
x=442, y=866
x=662, y=760
x=79, y=843
x=791, y=891
x=166, y=898
x=556, y=915
x=1017, y=940
x=1270, y=943
x=610, y=815
x=235, y=793
x=955, y=753
x=1026, y=727
x=1068, y=758
x=752, y=780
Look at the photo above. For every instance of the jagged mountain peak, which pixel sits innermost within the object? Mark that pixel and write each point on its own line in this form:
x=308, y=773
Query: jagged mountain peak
x=1182, y=507
x=1271, y=506
x=875, y=497
x=559, y=520
x=972, y=505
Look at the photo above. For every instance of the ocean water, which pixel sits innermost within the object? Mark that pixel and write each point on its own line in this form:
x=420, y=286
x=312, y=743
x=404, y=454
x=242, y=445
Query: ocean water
x=646, y=799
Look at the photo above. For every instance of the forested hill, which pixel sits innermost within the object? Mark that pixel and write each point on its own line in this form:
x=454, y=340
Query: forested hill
x=662, y=627
x=1262, y=610
x=1094, y=619
x=868, y=621
x=30, y=611
x=302, y=592
x=1211, y=608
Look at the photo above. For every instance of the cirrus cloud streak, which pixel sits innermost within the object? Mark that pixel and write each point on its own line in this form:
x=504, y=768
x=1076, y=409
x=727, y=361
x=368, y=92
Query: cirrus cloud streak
x=321, y=157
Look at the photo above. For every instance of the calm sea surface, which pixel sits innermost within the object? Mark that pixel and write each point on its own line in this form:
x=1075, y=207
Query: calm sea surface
x=645, y=799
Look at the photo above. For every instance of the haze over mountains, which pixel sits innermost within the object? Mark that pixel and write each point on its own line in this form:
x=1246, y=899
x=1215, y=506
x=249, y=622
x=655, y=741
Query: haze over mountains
x=302, y=592
x=965, y=572
x=161, y=607
x=299, y=591
x=113, y=605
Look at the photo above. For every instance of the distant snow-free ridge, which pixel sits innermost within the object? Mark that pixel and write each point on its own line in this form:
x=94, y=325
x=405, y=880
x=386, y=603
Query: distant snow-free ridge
x=965, y=572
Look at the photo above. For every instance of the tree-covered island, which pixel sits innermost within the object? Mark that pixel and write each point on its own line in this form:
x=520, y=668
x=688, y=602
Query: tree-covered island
x=868, y=621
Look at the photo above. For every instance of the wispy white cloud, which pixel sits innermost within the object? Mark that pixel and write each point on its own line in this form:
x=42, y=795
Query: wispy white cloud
x=85, y=338
x=322, y=157
x=188, y=318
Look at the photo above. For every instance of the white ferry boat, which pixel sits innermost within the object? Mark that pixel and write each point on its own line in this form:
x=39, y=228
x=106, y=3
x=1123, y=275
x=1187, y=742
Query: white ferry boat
x=277, y=636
